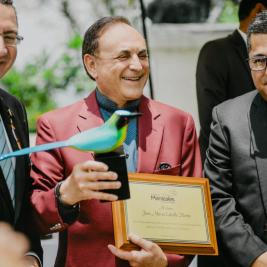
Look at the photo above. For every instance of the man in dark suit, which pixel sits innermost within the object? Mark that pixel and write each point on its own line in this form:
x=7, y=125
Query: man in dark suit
x=236, y=164
x=222, y=70
x=14, y=174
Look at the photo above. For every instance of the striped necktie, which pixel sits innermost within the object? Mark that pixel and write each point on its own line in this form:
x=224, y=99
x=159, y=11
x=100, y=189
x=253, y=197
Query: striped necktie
x=6, y=165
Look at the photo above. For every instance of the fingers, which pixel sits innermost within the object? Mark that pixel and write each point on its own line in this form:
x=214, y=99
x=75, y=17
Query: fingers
x=143, y=243
x=149, y=255
x=91, y=165
x=93, y=171
x=86, y=181
x=124, y=255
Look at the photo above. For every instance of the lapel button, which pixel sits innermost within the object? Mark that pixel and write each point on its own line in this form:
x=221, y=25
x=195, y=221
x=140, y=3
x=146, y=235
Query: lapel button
x=164, y=166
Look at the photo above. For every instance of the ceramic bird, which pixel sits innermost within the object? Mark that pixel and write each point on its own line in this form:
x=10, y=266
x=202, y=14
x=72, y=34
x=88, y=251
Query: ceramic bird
x=102, y=139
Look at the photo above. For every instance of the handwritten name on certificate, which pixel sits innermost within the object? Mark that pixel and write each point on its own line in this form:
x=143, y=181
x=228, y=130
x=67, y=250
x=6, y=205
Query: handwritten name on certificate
x=167, y=212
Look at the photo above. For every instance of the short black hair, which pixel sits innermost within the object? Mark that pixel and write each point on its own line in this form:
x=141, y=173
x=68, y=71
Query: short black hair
x=257, y=26
x=246, y=6
x=6, y=2
x=91, y=36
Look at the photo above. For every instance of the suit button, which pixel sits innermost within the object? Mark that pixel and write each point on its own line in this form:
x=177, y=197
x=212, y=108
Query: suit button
x=55, y=227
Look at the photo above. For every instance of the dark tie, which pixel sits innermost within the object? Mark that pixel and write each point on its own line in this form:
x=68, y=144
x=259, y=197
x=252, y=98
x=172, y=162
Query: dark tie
x=6, y=165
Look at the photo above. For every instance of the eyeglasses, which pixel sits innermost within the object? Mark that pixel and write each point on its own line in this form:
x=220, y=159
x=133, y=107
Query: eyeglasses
x=258, y=63
x=11, y=39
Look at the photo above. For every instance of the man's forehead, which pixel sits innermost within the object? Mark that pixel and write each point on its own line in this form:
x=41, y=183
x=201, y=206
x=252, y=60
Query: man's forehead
x=258, y=38
x=121, y=37
x=8, y=17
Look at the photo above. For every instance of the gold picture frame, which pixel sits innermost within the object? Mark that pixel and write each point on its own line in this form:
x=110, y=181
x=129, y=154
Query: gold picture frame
x=175, y=212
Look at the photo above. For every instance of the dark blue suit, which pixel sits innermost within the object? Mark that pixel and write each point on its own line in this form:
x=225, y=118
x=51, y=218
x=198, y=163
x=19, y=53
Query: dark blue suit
x=15, y=121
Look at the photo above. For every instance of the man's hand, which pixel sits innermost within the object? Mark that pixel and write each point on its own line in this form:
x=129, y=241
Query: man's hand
x=261, y=261
x=13, y=247
x=85, y=182
x=150, y=254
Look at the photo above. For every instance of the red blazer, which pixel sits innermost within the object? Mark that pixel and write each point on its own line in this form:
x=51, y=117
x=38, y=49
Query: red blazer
x=165, y=134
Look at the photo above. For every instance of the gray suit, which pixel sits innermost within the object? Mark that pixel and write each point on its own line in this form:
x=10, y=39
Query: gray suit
x=236, y=165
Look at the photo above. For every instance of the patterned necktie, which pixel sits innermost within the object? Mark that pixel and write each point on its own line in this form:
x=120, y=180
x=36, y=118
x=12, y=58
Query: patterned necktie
x=6, y=165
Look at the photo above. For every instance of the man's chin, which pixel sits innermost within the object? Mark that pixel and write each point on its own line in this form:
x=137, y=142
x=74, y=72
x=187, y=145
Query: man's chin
x=134, y=95
x=263, y=93
x=2, y=72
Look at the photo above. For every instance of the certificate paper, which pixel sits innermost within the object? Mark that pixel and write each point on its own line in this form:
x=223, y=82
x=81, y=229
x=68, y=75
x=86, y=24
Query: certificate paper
x=168, y=213
x=175, y=212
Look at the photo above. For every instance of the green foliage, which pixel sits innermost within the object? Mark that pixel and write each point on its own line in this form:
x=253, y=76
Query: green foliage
x=115, y=7
x=229, y=13
x=36, y=83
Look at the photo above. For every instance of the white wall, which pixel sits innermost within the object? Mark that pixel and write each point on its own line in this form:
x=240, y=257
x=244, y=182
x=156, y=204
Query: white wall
x=174, y=53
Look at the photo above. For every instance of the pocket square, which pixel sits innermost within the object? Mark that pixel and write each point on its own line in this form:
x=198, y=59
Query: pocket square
x=164, y=166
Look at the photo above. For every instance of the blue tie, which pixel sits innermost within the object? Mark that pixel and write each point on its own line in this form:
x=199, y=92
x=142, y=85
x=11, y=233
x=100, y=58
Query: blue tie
x=6, y=165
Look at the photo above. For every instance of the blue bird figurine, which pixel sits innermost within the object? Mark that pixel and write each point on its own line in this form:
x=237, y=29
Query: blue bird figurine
x=103, y=139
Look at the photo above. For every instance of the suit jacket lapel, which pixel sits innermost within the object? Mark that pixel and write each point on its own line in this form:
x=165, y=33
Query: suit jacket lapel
x=89, y=117
x=257, y=119
x=3, y=187
x=150, y=132
x=22, y=172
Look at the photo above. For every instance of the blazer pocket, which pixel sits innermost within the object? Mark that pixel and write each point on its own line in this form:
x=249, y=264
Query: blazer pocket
x=172, y=171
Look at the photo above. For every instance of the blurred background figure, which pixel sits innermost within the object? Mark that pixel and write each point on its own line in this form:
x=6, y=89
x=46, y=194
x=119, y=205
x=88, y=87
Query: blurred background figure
x=178, y=11
x=13, y=247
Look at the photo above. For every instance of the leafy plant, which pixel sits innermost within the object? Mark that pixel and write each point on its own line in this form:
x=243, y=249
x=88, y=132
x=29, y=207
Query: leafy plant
x=36, y=83
x=229, y=12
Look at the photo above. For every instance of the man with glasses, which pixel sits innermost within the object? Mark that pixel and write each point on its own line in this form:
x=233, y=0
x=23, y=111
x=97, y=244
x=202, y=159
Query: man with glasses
x=14, y=174
x=236, y=164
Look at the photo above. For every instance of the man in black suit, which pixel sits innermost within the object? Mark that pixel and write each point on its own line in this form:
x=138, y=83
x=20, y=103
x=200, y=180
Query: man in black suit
x=14, y=174
x=236, y=164
x=222, y=69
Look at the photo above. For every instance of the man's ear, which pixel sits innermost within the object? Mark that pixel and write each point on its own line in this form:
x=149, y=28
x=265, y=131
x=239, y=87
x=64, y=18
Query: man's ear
x=90, y=65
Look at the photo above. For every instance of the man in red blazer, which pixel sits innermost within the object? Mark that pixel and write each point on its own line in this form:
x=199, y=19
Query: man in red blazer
x=67, y=182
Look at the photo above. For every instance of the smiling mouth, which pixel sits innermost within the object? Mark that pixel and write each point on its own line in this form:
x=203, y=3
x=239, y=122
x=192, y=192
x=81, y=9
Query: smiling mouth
x=136, y=78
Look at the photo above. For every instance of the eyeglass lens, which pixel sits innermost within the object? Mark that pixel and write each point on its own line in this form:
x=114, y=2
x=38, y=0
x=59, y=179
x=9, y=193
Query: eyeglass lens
x=258, y=63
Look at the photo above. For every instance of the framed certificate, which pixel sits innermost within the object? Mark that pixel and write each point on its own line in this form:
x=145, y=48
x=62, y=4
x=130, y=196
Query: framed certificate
x=175, y=212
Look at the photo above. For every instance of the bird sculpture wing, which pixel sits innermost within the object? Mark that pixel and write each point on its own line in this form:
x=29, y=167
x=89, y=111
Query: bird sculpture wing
x=101, y=139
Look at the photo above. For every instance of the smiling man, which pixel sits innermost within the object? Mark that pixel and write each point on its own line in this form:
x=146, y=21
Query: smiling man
x=15, y=207
x=163, y=140
x=236, y=164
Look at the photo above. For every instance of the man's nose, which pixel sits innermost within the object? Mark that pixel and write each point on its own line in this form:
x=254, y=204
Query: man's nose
x=135, y=63
x=3, y=49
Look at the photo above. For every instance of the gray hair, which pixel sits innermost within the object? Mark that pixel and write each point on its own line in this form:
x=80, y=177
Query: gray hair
x=257, y=26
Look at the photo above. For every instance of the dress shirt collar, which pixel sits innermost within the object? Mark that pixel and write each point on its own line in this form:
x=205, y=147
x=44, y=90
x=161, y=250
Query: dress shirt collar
x=108, y=105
